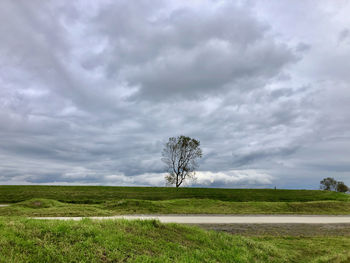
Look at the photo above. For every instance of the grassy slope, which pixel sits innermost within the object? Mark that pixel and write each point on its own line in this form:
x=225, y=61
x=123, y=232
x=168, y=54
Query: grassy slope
x=26, y=240
x=291, y=230
x=99, y=200
x=46, y=207
x=100, y=194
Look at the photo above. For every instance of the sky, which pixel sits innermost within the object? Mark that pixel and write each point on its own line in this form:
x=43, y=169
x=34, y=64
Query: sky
x=90, y=91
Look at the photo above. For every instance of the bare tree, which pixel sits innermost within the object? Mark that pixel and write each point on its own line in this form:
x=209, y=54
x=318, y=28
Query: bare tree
x=180, y=154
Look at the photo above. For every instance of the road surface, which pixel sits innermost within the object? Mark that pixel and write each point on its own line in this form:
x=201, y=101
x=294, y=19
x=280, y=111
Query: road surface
x=226, y=219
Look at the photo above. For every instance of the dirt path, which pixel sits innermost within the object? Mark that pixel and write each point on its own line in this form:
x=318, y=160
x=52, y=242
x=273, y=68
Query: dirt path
x=3, y=205
x=226, y=219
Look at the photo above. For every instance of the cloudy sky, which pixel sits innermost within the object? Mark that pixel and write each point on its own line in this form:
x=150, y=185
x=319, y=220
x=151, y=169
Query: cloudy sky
x=91, y=90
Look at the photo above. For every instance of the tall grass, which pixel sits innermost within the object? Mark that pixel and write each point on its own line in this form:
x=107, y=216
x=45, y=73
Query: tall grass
x=24, y=240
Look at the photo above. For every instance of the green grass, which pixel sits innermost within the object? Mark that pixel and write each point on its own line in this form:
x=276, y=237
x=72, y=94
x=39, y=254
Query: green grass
x=100, y=194
x=24, y=240
x=47, y=207
x=27, y=240
x=283, y=229
x=105, y=201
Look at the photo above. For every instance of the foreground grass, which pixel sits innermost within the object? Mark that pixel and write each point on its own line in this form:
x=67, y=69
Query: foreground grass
x=47, y=207
x=24, y=240
x=282, y=230
x=100, y=194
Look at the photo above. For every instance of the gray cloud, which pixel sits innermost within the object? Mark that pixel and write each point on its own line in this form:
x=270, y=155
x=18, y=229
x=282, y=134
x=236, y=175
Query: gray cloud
x=188, y=51
x=90, y=91
x=344, y=35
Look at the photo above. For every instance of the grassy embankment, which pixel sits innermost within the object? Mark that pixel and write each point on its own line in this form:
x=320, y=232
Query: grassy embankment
x=46, y=207
x=93, y=201
x=23, y=240
x=100, y=194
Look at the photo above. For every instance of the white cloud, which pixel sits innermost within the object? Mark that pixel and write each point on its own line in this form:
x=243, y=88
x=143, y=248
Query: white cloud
x=234, y=178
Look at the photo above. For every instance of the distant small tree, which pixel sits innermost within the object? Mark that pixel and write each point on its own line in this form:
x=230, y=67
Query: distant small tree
x=341, y=187
x=328, y=184
x=180, y=155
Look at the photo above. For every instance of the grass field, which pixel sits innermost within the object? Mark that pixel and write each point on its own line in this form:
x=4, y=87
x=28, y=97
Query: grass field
x=47, y=207
x=23, y=240
x=28, y=240
x=101, y=194
x=105, y=201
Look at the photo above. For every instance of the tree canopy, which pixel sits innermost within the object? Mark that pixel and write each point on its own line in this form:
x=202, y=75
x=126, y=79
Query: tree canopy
x=330, y=184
